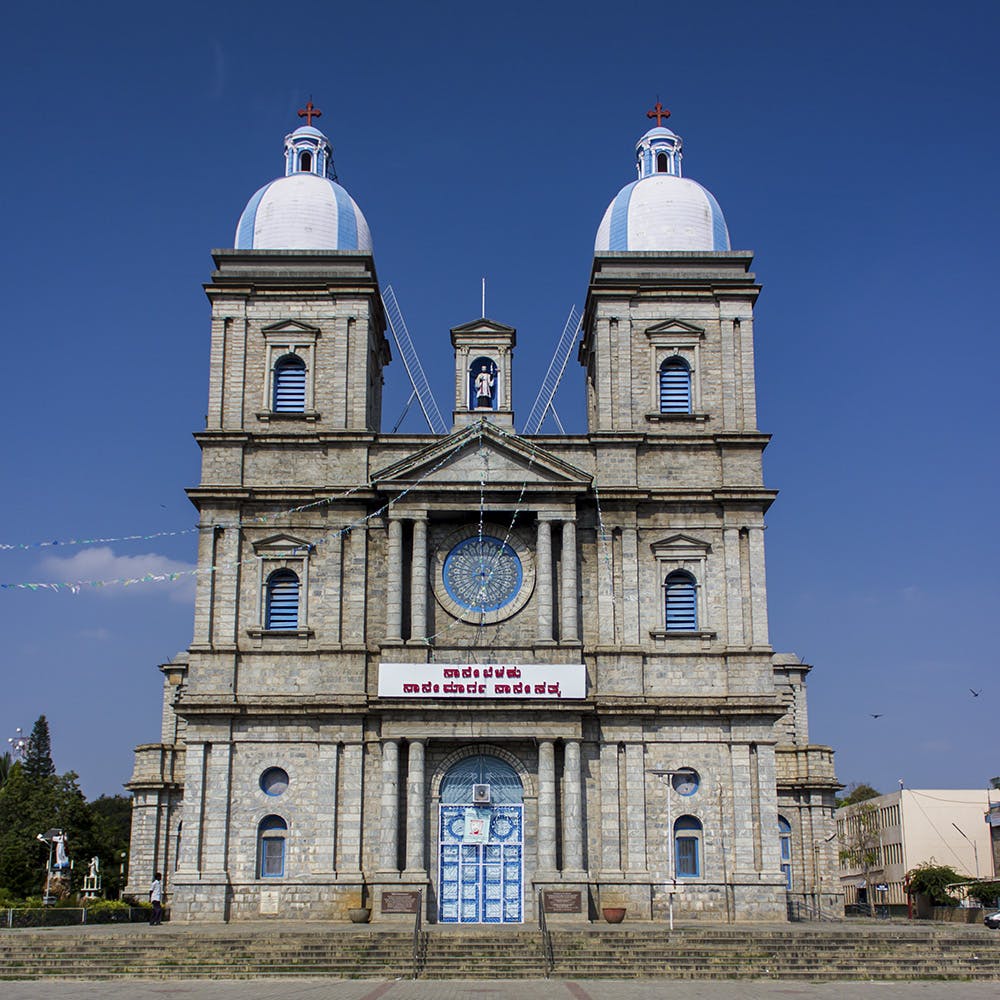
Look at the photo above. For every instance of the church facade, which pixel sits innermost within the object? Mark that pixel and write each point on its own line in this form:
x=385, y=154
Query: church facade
x=480, y=672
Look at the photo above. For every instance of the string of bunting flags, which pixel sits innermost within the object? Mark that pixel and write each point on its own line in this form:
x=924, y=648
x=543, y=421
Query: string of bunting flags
x=75, y=586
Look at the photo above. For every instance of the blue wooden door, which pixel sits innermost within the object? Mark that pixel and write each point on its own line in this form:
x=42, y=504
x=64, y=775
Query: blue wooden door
x=481, y=883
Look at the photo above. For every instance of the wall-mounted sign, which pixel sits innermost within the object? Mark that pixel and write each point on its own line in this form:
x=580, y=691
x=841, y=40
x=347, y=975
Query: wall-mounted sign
x=522, y=681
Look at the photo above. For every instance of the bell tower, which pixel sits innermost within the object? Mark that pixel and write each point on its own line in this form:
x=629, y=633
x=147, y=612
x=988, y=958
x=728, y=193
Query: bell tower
x=483, y=354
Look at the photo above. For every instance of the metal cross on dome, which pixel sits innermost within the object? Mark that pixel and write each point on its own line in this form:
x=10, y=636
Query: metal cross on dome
x=659, y=112
x=309, y=112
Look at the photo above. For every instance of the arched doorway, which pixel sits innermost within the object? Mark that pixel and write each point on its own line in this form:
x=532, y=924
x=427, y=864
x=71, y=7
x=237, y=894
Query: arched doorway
x=481, y=862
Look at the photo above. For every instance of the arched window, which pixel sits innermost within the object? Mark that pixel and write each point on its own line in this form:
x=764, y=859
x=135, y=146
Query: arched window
x=307, y=162
x=282, y=610
x=505, y=785
x=675, y=386
x=687, y=847
x=661, y=163
x=785, y=839
x=271, y=847
x=290, y=385
x=681, y=602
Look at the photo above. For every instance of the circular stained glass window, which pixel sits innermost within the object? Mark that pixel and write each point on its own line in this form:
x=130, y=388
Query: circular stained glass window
x=482, y=574
x=274, y=781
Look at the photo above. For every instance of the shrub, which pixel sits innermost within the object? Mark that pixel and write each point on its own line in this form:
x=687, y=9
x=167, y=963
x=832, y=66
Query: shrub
x=985, y=893
x=931, y=880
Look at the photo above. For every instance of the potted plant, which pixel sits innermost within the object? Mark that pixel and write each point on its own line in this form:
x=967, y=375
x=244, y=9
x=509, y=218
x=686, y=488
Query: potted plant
x=613, y=906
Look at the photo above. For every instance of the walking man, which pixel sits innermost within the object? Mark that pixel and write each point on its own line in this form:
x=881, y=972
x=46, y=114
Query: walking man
x=156, y=898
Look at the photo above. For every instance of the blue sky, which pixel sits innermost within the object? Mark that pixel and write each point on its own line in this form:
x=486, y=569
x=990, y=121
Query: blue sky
x=853, y=147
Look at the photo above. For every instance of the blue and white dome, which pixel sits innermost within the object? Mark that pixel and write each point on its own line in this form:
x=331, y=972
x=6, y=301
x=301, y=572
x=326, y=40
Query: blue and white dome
x=662, y=210
x=306, y=209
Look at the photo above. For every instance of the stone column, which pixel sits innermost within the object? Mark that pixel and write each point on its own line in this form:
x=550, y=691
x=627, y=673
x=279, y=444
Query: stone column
x=635, y=811
x=543, y=580
x=418, y=581
x=572, y=818
x=630, y=586
x=611, y=857
x=415, y=807
x=546, y=806
x=350, y=808
x=394, y=582
x=758, y=588
x=389, y=855
x=734, y=588
x=568, y=627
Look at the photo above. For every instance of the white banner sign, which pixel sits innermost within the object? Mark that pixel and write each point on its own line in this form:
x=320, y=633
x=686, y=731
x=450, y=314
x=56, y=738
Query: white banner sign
x=482, y=680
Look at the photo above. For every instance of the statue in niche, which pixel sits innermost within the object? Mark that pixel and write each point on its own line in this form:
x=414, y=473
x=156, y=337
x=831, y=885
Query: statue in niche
x=483, y=382
x=484, y=387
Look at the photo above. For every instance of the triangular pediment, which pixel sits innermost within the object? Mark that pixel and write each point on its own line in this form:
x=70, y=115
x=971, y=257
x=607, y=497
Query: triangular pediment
x=675, y=328
x=290, y=326
x=479, y=456
x=483, y=326
x=282, y=542
x=679, y=543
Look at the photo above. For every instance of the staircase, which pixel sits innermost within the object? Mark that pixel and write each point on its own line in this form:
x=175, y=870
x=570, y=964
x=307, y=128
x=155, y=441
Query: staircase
x=274, y=950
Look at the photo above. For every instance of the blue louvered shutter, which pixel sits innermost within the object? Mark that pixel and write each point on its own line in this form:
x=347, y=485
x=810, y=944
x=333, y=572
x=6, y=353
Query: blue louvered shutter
x=681, y=599
x=282, y=600
x=290, y=385
x=675, y=386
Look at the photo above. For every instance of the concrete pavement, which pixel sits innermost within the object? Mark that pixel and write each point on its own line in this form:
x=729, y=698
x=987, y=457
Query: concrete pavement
x=650, y=989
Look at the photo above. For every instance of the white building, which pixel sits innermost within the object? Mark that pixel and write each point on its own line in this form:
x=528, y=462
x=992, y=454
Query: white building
x=913, y=827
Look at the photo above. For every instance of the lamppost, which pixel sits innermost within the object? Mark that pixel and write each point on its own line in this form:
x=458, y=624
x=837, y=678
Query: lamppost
x=18, y=743
x=975, y=850
x=668, y=774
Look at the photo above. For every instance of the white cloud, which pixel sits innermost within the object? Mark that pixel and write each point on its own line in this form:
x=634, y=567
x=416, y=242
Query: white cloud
x=101, y=563
x=97, y=634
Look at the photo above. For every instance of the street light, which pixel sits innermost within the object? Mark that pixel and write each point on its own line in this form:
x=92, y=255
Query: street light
x=18, y=743
x=975, y=850
x=663, y=772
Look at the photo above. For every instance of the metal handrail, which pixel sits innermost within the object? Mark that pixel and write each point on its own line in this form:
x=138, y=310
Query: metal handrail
x=548, y=956
x=417, y=933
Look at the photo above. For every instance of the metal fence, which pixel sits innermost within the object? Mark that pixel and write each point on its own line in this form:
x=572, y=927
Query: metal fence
x=67, y=916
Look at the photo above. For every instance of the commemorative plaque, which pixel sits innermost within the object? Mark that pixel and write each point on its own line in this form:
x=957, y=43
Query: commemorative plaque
x=561, y=901
x=400, y=902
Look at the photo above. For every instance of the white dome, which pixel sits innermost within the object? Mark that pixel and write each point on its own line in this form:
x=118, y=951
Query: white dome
x=662, y=212
x=303, y=212
x=306, y=209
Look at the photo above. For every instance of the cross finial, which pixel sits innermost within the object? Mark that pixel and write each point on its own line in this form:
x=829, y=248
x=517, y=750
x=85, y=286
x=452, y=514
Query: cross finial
x=309, y=112
x=659, y=113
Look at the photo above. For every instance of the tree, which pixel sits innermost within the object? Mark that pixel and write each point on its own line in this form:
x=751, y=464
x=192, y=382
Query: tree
x=29, y=807
x=932, y=880
x=38, y=753
x=6, y=763
x=857, y=792
x=995, y=782
x=112, y=826
x=861, y=847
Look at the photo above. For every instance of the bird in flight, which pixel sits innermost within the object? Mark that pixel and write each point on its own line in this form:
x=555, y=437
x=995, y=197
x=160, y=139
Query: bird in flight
x=876, y=715
x=976, y=694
